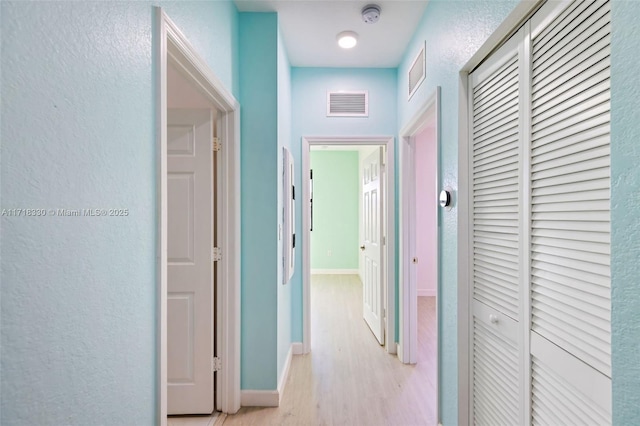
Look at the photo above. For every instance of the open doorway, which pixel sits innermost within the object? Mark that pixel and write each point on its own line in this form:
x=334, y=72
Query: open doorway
x=191, y=220
x=220, y=111
x=378, y=296
x=420, y=242
x=347, y=220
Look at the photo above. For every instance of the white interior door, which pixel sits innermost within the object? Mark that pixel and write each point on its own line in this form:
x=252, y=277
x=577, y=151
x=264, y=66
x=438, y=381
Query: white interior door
x=373, y=289
x=190, y=268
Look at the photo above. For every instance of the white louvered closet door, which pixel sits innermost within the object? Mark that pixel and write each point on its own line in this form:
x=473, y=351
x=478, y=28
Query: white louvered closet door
x=540, y=222
x=570, y=220
x=496, y=158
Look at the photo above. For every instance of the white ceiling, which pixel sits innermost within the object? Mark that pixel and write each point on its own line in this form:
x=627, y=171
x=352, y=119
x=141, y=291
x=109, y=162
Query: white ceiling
x=309, y=29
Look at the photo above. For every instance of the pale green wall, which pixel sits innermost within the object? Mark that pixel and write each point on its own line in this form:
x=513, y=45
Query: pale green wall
x=335, y=209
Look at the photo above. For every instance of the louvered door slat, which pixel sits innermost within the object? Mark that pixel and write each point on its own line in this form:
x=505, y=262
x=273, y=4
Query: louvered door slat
x=510, y=101
x=570, y=215
x=568, y=150
x=496, y=106
x=597, y=133
x=543, y=256
x=567, y=99
x=558, y=117
x=571, y=41
x=593, y=195
x=587, y=235
x=542, y=262
x=495, y=377
x=584, y=299
x=571, y=38
x=564, y=87
x=549, y=34
x=489, y=92
x=485, y=168
x=568, y=118
x=569, y=73
x=484, y=157
x=600, y=227
x=566, y=390
x=491, y=185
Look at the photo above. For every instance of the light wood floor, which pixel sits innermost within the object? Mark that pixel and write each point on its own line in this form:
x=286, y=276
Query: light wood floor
x=348, y=378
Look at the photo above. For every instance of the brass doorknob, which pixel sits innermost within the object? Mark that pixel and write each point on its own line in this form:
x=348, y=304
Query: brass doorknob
x=362, y=248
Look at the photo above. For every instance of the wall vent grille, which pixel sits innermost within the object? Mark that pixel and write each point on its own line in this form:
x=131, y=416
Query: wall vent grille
x=417, y=72
x=348, y=104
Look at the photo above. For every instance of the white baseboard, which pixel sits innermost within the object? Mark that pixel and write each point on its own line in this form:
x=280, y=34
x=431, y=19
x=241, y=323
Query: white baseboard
x=429, y=292
x=271, y=398
x=335, y=271
x=259, y=398
x=285, y=373
x=297, y=348
x=393, y=348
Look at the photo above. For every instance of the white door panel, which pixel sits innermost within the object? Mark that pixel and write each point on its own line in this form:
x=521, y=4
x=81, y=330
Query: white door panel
x=190, y=268
x=373, y=289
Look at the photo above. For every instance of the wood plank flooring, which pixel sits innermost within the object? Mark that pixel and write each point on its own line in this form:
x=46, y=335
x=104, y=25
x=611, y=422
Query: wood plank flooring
x=348, y=378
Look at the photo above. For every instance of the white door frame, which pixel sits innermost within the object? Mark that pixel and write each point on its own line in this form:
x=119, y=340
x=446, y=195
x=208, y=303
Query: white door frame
x=408, y=288
x=172, y=46
x=389, y=249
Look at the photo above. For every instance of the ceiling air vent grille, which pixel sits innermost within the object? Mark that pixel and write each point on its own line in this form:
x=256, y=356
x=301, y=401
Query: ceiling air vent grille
x=348, y=104
x=417, y=72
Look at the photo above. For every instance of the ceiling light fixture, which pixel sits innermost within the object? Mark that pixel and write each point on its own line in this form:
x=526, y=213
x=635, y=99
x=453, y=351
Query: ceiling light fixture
x=371, y=13
x=347, y=39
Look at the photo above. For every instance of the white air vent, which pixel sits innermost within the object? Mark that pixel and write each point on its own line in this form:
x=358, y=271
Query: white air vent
x=417, y=72
x=348, y=104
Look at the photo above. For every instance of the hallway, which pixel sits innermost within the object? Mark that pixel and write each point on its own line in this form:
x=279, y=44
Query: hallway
x=348, y=379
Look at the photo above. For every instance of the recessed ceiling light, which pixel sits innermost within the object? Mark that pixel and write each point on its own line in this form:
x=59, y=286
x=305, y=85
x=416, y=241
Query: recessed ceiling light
x=347, y=39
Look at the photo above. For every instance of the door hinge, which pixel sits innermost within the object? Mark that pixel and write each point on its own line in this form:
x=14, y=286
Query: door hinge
x=216, y=254
x=384, y=313
x=217, y=364
x=384, y=241
x=216, y=144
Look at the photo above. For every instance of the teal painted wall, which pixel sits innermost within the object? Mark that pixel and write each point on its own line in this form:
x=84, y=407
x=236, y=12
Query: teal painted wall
x=89, y=66
x=78, y=307
x=453, y=30
x=284, y=140
x=625, y=211
x=336, y=194
x=259, y=197
x=309, y=118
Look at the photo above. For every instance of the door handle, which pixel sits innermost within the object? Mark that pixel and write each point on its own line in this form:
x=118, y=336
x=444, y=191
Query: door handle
x=362, y=247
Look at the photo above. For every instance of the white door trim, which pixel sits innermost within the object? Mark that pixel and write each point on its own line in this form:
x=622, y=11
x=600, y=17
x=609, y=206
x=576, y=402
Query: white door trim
x=522, y=11
x=172, y=46
x=408, y=291
x=389, y=249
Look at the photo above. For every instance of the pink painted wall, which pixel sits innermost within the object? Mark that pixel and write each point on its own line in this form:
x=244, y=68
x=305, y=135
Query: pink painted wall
x=426, y=220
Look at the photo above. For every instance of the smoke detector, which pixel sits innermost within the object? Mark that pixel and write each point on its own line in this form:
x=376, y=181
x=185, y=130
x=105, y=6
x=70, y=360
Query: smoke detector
x=371, y=13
